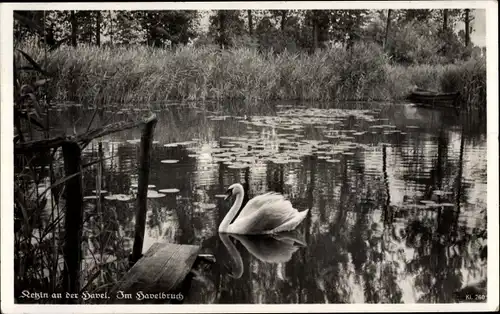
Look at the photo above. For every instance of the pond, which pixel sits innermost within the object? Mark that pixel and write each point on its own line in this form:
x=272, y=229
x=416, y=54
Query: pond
x=397, y=200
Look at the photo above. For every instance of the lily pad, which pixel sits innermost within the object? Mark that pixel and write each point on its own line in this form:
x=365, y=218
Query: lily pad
x=280, y=161
x=169, y=161
x=238, y=166
x=446, y=204
x=427, y=202
x=172, y=190
x=442, y=193
x=154, y=194
x=101, y=192
x=118, y=197
x=333, y=160
x=90, y=197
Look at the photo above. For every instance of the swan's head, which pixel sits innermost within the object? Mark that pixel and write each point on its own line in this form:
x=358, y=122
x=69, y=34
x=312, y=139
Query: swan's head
x=234, y=189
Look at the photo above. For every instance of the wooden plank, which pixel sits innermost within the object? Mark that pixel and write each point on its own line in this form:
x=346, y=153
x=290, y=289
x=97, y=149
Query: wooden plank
x=162, y=269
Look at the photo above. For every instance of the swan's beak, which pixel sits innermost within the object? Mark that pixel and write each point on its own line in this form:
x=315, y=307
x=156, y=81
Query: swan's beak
x=229, y=192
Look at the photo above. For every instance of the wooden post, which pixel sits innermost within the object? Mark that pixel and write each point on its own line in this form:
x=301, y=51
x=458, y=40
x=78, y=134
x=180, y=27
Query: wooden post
x=142, y=189
x=74, y=214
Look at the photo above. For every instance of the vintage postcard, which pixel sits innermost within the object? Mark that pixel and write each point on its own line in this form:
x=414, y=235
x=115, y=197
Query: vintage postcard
x=273, y=156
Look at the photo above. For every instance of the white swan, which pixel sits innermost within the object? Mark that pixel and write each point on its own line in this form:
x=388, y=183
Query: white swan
x=275, y=249
x=264, y=214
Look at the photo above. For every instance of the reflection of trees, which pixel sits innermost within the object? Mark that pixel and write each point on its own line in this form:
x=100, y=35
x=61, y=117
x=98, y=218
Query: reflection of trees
x=349, y=249
x=441, y=245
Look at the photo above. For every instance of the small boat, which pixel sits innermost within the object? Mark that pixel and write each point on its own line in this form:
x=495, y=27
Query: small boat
x=432, y=99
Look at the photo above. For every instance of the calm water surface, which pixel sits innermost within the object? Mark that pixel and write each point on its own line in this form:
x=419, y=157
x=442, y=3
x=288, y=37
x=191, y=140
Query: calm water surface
x=397, y=199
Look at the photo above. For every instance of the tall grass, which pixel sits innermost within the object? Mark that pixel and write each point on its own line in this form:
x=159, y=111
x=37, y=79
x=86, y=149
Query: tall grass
x=142, y=75
x=469, y=78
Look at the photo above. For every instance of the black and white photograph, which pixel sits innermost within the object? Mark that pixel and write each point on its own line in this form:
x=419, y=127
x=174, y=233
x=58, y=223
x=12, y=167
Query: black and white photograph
x=188, y=156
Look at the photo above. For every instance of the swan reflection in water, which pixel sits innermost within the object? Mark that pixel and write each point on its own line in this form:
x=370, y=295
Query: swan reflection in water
x=275, y=248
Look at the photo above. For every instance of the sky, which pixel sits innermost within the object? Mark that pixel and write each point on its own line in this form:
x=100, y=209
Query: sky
x=478, y=37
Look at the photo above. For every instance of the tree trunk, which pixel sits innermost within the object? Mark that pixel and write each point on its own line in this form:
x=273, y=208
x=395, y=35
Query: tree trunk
x=387, y=27
x=222, y=29
x=98, y=29
x=250, y=22
x=111, y=28
x=283, y=20
x=315, y=33
x=445, y=20
x=155, y=39
x=49, y=36
x=73, y=29
x=467, y=28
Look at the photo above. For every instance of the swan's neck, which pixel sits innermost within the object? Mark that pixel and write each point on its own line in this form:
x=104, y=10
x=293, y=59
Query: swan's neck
x=233, y=212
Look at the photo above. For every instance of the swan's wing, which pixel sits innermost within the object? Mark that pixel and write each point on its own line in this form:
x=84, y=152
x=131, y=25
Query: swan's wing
x=291, y=224
x=258, y=201
x=275, y=212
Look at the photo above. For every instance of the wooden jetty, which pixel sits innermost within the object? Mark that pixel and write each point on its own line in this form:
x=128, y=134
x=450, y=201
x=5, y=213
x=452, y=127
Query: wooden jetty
x=432, y=99
x=162, y=275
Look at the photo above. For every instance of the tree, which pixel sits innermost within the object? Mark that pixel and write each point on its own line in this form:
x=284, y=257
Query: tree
x=318, y=22
x=347, y=24
x=74, y=28
x=250, y=22
x=225, y=26
x=267, y=34
x=419, y=15
x=157, y=28
x=281, y=16
x=467, y=27
x=387, y=27
x=445, y=20
x=98, y=28
x=283, y=29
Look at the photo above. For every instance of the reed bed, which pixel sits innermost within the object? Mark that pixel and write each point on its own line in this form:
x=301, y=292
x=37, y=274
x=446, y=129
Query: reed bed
x=144, y=75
